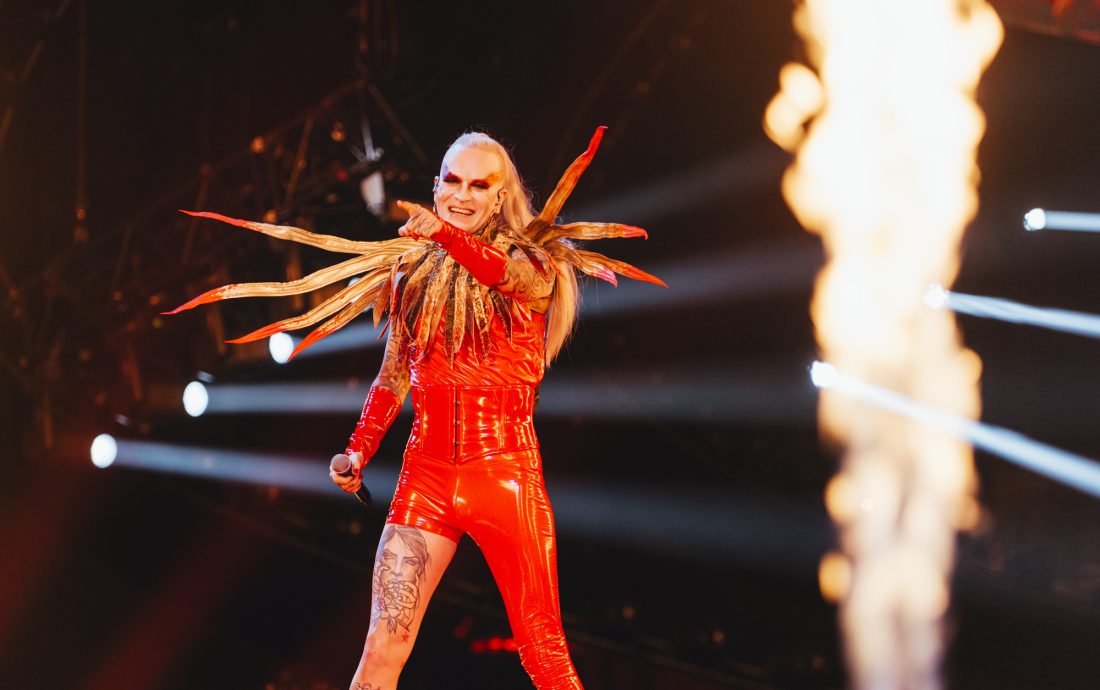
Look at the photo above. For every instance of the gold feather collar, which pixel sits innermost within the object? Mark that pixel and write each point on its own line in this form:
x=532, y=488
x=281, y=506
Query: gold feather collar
x=423, y=281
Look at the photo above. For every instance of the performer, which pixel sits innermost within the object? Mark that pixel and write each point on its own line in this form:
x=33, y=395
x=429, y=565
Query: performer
x=481, y=295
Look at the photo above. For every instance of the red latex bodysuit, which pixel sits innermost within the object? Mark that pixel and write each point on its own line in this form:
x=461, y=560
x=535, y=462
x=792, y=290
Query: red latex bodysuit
x=472, y=463
x=472, y=466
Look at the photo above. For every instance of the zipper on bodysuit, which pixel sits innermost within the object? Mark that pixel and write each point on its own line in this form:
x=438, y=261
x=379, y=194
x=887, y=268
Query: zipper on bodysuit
x=454, y=431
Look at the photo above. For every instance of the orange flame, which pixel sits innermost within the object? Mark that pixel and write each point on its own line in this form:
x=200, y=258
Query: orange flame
x=885, y=128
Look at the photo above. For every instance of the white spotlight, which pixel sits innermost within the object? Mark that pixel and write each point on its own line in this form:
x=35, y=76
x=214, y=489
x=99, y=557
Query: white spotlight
x=195, y=398
x=1035, y=219
x=936, y=297
x=104, y=450
x=822, y=374
x=280, y=346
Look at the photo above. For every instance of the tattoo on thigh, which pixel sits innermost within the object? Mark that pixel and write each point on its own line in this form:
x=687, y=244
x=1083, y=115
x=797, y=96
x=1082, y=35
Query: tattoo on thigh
x=398, y=571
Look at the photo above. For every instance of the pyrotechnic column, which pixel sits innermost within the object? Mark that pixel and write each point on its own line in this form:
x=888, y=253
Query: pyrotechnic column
x=885, y=129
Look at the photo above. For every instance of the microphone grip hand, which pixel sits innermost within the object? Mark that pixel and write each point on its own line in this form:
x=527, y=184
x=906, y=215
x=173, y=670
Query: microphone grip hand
x=346, y=471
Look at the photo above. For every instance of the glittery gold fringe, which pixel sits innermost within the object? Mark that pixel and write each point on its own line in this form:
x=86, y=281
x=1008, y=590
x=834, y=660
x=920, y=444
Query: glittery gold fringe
x=364, y=289
x=434, y=297
x=460, y=308
x=481, y=316
x=588, y=231
x=327, y=242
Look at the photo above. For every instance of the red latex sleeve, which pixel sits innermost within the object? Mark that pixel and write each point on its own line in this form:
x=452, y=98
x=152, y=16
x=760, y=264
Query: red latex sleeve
x=484, y=263
x=379, y=411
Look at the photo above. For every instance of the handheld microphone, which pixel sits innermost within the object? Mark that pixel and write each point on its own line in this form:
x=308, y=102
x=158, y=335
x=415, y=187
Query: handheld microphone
x=341, y=465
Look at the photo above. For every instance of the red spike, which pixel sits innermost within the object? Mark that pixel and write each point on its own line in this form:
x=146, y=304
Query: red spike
x=594, y=142
x=586, y=158
x=257, y=334
x=638, y=274
x=572, y=175
x=225, y=219
x=309, y=340
x=316, y=335
x=635, y=231
x=204, y=298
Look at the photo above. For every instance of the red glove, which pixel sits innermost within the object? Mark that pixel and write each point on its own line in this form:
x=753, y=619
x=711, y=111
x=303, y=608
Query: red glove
x=484, y=263
x=379, y=411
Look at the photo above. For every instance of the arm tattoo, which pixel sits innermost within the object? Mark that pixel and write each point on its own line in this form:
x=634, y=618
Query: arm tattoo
x=522, y=281
x=398, y=571
x=394, y=372
x=365, y=686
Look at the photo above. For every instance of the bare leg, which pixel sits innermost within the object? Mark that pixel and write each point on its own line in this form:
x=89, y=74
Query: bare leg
x=407, y=569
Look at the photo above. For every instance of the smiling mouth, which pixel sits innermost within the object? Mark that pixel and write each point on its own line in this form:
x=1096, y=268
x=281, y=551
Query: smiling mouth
x=460, y=211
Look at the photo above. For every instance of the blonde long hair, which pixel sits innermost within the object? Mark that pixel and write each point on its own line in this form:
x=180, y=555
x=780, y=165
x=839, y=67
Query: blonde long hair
x=518, y=214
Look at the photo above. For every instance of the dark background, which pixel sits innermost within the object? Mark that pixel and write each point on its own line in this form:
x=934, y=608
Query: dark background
x=690, y=478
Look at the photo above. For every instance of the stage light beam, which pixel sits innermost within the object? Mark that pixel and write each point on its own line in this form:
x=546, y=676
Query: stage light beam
x=999, y=309
x=283, y=470
x=764, y=391
x=723, y=524
x=1075, y=471
x=1043, y=219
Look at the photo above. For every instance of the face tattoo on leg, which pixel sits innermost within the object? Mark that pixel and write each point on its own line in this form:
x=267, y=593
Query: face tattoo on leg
x=401, y=561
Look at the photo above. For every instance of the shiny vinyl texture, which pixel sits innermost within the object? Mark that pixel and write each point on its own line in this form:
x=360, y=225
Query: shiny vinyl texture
x=472, y=466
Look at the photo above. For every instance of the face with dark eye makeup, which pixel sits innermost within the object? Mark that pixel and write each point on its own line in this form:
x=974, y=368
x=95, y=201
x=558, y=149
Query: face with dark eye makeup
x=469, y=187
